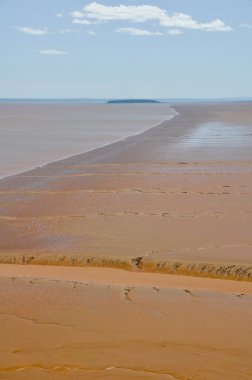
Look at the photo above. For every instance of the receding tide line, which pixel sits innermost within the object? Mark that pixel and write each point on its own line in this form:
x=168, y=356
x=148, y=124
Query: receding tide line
x=97, y=146
x=236, y=271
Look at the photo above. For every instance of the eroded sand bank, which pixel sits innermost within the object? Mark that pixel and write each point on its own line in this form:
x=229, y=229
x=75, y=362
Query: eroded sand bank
x=94, y=323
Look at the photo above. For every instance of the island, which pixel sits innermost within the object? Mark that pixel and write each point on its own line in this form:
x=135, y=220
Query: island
x=132, y=101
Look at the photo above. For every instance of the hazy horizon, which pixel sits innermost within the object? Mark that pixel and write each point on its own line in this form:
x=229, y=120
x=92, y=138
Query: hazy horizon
x=97, y=99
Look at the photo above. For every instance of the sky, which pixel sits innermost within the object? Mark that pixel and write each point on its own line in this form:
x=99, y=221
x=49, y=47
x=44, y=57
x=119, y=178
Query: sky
x=125, y=49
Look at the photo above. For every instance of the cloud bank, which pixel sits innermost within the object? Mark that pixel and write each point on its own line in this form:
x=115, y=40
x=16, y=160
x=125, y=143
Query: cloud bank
x=97, y=12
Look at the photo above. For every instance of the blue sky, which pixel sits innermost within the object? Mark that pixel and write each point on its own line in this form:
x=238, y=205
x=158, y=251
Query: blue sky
x=127, y=48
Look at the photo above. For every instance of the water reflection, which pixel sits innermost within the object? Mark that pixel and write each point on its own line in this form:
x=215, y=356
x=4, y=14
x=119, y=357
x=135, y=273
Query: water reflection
x=215, y=135
x=32, y=135
x=216, y=141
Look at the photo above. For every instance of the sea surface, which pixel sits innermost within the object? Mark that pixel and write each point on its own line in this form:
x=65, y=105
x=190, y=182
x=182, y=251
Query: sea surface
x=33, y=133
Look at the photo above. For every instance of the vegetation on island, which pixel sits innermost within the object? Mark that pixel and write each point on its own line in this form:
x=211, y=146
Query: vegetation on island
x=132, y=101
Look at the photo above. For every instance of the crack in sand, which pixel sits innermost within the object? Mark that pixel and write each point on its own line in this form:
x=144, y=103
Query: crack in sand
x=35, y=321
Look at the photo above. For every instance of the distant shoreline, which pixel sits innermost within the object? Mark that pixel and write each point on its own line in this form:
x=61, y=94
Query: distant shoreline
x=77, y=101
x=133, y=101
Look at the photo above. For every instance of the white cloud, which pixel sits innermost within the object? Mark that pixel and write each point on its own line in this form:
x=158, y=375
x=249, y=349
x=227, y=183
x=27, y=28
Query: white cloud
x=181, y=20
x=81, y=22
x=65, y=31
x=138, y=32
x=91, y=32
x=246, y=26
x=53, y=52
x=77, y=14
x=97, y=12
x=34, y=32
x=60, y=15
x=175, y=32
x=135, y=13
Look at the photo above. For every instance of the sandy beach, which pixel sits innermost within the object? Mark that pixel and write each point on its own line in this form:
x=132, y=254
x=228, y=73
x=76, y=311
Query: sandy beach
x=143, y=256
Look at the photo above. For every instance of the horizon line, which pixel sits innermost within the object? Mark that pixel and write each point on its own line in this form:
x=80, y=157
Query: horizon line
x=126, y=98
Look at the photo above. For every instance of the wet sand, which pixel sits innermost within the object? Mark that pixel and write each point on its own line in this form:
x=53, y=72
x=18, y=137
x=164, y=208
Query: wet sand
x=127, y=206
x=114, y=324
x=175, y=199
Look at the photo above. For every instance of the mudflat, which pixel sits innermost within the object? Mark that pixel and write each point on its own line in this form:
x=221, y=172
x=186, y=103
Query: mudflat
x=128, y=205
x=100, y=323
x=174, y=200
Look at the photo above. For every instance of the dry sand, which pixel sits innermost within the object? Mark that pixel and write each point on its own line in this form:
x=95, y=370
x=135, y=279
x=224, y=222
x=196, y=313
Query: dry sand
x=175, y=199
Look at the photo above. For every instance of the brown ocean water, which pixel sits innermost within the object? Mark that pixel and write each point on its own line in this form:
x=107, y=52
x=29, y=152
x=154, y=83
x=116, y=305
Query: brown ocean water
x=32, y=135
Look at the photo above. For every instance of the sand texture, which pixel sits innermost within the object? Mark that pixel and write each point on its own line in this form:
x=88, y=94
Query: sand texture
x=175, y=201
x=127, y=205
x=95, y=323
